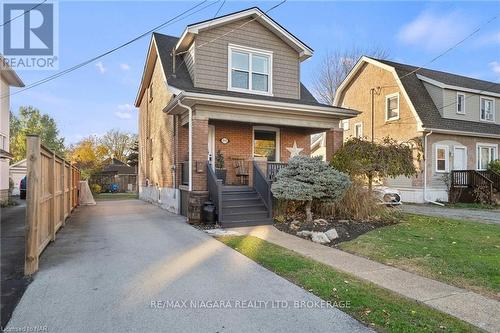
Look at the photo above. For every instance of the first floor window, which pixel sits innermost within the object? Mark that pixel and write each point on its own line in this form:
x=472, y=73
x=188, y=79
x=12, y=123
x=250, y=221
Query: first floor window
x=392, y=107
x=250, y=70
x=487, y=109
x=358, y=130
x=442, y=158
x=485, y=154
x=460, y=103
x=265, y=144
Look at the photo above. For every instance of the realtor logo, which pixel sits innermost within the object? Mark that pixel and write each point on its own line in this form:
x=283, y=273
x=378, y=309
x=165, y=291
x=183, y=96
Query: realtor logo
x=29, y=35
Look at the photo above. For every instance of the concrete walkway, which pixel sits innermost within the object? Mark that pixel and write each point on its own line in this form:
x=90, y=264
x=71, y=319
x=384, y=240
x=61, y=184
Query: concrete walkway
x=113, y=265
x=466, y=305
x=479, y=215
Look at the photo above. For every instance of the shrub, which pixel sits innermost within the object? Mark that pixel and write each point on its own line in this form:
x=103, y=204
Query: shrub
x=357, y=204
x=219, y=160
x=95, y=188
x=494, y=166
x=307, y=179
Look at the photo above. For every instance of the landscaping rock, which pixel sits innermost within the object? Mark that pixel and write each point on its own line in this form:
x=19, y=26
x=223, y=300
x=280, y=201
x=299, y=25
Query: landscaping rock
x=343, y=221
x=304, y=233
x=295, y=225
x=320, y=221
x=320, y=237
x=332, y=234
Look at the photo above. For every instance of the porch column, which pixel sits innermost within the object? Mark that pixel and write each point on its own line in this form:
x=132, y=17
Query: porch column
x=333, y=141
x=199, y=154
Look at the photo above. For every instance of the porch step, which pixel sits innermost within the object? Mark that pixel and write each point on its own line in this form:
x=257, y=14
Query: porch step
x=240, y=195
x=240, y=201
x=243, y=208
x=246, y=223
x=242, y=216
x=232, y=189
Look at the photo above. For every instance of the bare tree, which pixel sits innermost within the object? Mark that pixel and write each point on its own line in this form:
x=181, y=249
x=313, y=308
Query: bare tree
x=334, y=68
x=118, y=144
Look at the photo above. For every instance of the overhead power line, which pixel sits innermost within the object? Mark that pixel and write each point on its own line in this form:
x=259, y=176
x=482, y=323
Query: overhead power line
x=188, y=12
x=24, y=13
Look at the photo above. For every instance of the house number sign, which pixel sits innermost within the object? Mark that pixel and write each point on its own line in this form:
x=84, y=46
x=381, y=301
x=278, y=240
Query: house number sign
x=224, y=140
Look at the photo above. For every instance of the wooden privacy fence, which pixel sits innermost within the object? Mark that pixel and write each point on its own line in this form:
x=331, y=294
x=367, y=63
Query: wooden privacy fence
x=52, y=193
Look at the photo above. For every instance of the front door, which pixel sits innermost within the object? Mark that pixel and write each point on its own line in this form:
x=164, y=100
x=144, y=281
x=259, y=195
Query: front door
x=211, y=145
x=459, y=158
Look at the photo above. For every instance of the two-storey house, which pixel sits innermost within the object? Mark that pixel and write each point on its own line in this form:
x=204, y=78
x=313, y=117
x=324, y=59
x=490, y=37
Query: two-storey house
x=230, y=87
x=456, y=119
x=8, y=78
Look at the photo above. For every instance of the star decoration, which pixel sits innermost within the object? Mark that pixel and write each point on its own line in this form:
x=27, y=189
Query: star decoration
x=294, y=151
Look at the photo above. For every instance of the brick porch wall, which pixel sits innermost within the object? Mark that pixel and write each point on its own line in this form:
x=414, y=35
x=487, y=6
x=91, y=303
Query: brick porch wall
x=240, y=136
x=334, y=140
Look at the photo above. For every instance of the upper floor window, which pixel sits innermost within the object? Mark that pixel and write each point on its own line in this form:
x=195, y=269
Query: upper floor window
x=487, y=109
x=392, y=107
x=358, y=130
x=250, y=70
x=461, y=103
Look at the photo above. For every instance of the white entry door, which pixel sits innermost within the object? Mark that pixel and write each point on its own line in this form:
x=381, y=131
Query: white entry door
x=459, y=158
x=211, y=145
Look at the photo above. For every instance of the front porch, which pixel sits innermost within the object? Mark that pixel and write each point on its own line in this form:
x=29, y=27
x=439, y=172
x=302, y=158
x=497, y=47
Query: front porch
x=252, y=138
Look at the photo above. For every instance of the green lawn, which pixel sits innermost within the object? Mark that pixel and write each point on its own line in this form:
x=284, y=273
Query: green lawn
x=473, y=206
x=115, y=196
x=378, y=308
x=462, y=253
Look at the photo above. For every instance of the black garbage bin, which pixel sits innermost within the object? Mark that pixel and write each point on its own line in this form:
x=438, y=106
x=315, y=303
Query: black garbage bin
x=209, y=212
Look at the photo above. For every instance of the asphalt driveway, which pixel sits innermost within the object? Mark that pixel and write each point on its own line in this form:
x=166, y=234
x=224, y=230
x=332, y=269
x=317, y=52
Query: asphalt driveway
x=479, y=215
x=12, y=279
x=129, y=266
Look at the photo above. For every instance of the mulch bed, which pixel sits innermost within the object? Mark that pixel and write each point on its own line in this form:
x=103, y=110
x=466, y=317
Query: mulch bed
x=346, y=229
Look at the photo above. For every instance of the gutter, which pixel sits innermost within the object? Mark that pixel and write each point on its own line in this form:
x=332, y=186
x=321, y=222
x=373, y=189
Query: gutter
x=314, y=109
x=445, y=131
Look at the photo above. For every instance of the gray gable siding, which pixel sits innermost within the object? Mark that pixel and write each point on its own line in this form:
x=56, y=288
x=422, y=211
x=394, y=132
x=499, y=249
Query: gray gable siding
x=211, y=65
x=472, y=106
x=436, y=94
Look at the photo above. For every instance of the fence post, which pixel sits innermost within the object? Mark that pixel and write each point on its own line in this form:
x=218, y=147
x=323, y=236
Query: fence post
x=32, y=203
x=53, y=213
x=70, y=188
x=63, y=185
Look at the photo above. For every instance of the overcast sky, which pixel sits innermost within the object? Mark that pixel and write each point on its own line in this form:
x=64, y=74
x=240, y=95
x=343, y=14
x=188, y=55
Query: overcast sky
x=100, y=96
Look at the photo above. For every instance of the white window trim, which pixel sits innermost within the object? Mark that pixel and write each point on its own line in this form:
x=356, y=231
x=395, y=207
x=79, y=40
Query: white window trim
x=345, y=124
x=481, y=102
x=278, y=143
x=356, y=125
x=387, y=97
x=490, y=145
x=463, y=105
x=250, y=50
x=446, y=158
x=466, y=155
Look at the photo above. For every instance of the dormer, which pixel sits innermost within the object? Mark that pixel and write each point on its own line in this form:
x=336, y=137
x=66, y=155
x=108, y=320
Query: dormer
x=245, y=52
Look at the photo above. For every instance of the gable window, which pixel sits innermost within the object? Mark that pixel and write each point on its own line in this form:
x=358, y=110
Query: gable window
x=250, y=70
x=358, y=130
x=442, y=158
x=487, y=109
x=392, y=107
x=460, y=103
x=485, y=153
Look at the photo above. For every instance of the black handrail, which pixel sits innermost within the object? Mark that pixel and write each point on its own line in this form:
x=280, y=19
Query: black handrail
x=273, y=168
x=263, y=186
x=215, y=190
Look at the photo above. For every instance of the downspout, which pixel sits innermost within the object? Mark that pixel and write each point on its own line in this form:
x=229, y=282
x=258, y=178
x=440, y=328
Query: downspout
x=190, y=142
x=425, y=172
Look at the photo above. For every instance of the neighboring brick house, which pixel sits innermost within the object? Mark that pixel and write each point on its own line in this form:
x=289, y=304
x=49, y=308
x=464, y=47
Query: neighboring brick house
x=453, y=116
x=8, y=78
x=230, y=84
